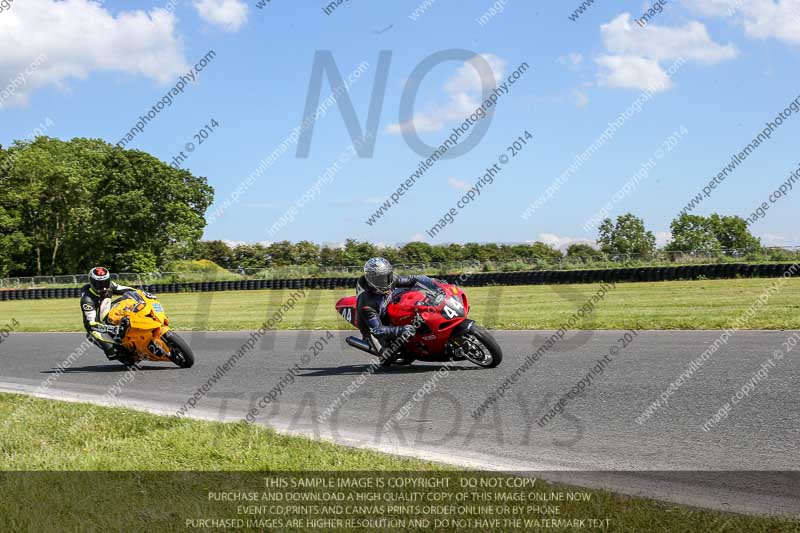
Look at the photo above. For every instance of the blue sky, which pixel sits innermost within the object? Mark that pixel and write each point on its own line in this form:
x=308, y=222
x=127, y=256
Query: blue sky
x=107, y=64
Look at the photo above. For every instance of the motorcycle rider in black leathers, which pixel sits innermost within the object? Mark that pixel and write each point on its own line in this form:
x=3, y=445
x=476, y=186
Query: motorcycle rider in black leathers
x=373, y=290
x=95, y=302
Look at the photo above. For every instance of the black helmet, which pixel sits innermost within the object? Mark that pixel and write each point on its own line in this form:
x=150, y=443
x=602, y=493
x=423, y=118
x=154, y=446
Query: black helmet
x=100, y=279
x=379, y=274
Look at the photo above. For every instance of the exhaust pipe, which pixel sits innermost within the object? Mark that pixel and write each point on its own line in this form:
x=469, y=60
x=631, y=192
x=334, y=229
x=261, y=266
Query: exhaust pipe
x=360, y=344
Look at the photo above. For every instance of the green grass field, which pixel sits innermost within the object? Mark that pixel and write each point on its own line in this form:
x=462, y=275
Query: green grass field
x=43, y=435
x=712, y=304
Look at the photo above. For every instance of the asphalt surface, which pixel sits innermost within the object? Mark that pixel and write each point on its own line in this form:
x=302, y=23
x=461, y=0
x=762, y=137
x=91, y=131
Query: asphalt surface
x=748, y=462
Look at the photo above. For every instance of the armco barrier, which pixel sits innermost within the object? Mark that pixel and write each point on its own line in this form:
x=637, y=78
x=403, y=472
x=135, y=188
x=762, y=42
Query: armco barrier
x=480, y=279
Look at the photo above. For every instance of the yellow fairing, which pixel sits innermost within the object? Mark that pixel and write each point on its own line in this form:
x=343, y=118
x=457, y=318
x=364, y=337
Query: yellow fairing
x=148, y=322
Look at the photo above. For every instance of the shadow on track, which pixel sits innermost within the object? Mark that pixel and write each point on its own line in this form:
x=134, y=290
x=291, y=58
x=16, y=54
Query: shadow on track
x=104, y=368
x=354, y=370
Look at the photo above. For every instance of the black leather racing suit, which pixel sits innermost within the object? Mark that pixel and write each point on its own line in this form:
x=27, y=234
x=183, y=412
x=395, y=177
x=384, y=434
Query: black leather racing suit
x=371, y=309
x=90, y=307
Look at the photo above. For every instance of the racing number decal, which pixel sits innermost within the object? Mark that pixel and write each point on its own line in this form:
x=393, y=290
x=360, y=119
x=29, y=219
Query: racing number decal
x=156, y=350
x=453, y=308
x=347, y=314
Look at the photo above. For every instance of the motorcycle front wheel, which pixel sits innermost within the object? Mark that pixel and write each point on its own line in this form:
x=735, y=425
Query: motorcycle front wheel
x=479, y=347
x=179, y=351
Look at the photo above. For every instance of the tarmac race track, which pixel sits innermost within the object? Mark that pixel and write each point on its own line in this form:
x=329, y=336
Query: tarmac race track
x=747, y=462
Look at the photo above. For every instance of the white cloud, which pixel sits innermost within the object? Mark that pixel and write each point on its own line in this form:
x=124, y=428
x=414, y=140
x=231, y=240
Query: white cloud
x=662, y=42
x=579, y=98
x=562, y=243
x=458, y=184
x=467, y=78
x=230, y=15
x=333, y=244
x=779, y=19
x=772, y=239
x=422, y=123
x=632, y=72
x=573, y=59
x=635, y=54
x=714, y=8
x=662, y=238
x=463, y=91
x=233, y=244
x=77, y=37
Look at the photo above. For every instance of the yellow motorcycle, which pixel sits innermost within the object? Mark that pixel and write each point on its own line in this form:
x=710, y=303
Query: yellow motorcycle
x=145, y=332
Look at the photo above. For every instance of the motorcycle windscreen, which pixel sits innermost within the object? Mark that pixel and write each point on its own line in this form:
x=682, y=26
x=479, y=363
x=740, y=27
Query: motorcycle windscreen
x=431, y=293
x=120, y=309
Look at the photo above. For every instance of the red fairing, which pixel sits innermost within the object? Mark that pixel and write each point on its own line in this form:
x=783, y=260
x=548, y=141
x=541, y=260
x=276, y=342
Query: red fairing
x=403, y=312
x=346, y=307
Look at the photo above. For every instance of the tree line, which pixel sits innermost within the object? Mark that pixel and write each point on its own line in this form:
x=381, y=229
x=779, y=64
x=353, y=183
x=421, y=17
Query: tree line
x=68, y=205
x=625, y=236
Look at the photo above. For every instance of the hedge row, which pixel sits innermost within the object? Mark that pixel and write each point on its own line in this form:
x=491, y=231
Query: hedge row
x=537, y=277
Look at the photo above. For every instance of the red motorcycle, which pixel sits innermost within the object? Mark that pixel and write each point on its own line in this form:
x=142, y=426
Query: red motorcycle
x=443, y=332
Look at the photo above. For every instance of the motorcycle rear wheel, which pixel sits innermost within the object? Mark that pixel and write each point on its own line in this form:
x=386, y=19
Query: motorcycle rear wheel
x=476, y=342
x=179, y=351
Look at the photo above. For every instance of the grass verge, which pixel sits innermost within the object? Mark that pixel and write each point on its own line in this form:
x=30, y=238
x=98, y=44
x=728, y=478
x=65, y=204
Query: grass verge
x=712, y=304
x=153, y=490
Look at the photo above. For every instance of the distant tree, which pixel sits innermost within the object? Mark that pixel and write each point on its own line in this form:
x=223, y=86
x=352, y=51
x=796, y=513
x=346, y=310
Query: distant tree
x=732, y=233
x=545, y=252
x=331, y=256
x=711, y=234
x=416, y=252
x=472, y=251
x=249, y=256
x=280, y=253
x=692, y=232
x=440, y=254
x=136, y=261
x=505, y=253
x=306, y=253
x=357, y=253
x=217, y=251
x=584, y=251
x=490, y=252
x=390, y=253
x=627, y=236
x=522, y=251
x=455, y=252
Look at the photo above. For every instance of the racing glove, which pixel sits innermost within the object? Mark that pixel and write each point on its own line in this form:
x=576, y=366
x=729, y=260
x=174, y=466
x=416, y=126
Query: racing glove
x=407, y=332
x=114, y=331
